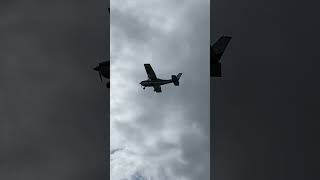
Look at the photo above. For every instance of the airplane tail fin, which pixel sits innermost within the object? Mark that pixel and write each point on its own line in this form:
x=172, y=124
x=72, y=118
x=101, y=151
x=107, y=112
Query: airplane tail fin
x=175, y=79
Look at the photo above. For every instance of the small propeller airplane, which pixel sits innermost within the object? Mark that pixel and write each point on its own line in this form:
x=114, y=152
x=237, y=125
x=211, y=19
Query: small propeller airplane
x=216, y=51
x=104, y=70
x=155, y=82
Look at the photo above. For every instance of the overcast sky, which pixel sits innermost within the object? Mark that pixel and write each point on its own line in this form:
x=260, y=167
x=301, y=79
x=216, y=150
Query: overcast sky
x=166, y=135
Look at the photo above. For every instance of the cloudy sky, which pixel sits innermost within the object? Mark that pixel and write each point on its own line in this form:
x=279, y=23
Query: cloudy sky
x=166, y=135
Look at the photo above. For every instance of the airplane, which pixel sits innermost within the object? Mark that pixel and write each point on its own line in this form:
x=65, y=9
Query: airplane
x=216, y=52
x=104, y=70
x=155, y=82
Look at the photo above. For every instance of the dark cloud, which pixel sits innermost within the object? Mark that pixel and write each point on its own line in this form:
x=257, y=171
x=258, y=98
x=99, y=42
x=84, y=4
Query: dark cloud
x=264, y=109
x=53, y=107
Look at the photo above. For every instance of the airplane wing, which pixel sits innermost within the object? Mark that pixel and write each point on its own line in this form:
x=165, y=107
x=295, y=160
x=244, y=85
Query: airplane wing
x=150, y=72
x=157, y=89
x=217, y=49
x=216, y=52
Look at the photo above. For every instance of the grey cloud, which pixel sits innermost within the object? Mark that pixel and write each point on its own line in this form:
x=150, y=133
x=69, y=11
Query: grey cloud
x=182, y=111
x=113, y=151
x=133, y=28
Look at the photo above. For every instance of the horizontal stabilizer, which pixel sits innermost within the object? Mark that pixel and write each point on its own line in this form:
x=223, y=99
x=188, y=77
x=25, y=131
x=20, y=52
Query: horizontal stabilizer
x=175, y=79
